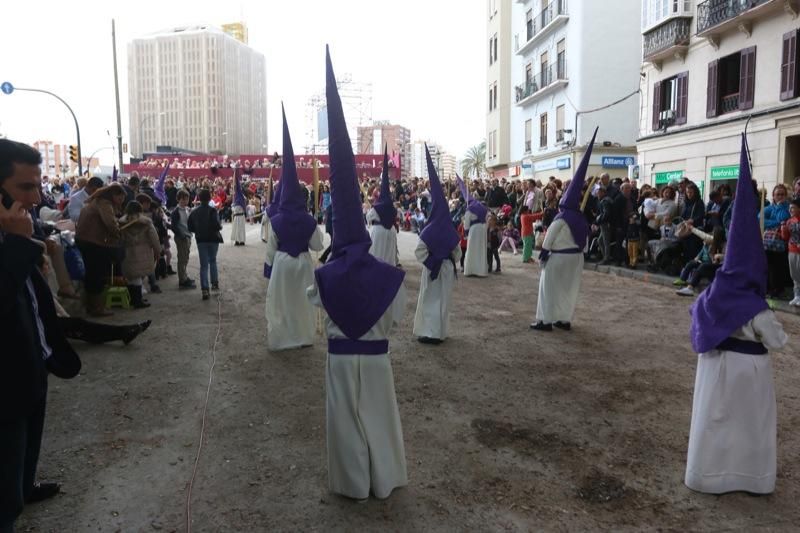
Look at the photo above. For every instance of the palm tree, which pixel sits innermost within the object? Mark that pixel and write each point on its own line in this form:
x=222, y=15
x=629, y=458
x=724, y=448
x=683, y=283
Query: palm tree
x=474, y=161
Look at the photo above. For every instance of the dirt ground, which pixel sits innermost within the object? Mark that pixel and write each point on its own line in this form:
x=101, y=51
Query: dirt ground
x=505, y=429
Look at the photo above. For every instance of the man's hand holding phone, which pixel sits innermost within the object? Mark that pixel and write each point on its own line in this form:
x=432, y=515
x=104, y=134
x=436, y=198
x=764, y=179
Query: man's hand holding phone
x=14, y=218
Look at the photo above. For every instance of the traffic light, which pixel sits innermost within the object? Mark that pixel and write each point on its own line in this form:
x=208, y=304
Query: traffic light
x=73, y=153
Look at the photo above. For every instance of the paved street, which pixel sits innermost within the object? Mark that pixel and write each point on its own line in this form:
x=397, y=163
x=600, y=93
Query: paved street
x=505, y=429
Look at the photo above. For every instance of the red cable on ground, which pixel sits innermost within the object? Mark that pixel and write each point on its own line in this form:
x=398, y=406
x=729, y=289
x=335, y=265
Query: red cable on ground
x=203, y=424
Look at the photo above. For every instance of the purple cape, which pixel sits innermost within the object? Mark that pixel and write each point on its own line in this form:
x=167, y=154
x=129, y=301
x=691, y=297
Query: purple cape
x=356, y=289
x=570, y=205
x=738, y=292
x=439, y=235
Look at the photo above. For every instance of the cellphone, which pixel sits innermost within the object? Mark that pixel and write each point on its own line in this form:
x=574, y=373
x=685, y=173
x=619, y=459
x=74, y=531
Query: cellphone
x=8, y=201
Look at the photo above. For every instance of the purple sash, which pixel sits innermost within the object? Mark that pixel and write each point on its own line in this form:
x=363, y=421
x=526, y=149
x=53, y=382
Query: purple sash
x=351, y=347
x=732, y=344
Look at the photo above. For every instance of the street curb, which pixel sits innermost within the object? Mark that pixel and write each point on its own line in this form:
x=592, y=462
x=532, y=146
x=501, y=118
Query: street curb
x=666, y=281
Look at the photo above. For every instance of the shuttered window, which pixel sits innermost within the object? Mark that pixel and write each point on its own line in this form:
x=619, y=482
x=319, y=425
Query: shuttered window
x=656, y=105
x=747, y=78
x=789, y=72
x=712, y=98
x=683, y=98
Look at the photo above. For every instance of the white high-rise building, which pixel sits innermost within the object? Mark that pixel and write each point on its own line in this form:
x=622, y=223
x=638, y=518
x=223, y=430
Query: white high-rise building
x=498, y=76
x=444, y=163
x=712, y=68
x=196, y=88
x=571, y=60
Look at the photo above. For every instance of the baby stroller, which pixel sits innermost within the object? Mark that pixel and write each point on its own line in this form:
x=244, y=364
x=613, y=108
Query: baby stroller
x=667, y=252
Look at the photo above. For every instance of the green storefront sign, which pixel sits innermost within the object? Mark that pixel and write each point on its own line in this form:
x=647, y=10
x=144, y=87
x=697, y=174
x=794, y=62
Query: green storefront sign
x=725, y=173
x=662, y=178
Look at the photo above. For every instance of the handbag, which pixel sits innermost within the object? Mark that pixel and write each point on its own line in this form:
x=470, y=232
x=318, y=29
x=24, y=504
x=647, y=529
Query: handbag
x=773, y=241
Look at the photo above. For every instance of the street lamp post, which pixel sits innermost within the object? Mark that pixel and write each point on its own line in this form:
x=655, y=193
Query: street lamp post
x=141, y=130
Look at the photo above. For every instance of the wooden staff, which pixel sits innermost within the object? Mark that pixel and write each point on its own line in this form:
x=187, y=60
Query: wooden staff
x=763, y=201
x=588, y=193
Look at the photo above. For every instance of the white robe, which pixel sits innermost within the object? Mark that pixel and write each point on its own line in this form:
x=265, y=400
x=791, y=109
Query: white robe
x=384, y=241
x=432, y=318
x=364, y=434
x=560, y=280
x=291, y=319
x=475, y=262
x=265, y=227
x=238, y=229
x=732, y=440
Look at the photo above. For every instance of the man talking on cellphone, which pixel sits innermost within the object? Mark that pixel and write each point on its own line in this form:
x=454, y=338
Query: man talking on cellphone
x=33, y=345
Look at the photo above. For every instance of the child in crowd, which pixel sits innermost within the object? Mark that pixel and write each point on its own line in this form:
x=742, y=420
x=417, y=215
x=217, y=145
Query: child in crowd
x=526, y=220
x=463, y=242
x=142, y=250
x=790, y=231
x=634, y=230
x=510, y=238
x=493, y=242
x=705, y=265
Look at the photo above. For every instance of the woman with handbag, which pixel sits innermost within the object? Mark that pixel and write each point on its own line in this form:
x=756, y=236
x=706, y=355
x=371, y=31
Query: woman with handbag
x=98, y=238
x=775, y=214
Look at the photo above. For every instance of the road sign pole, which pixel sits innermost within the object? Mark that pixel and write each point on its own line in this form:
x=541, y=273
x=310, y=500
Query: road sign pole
x=7, y=88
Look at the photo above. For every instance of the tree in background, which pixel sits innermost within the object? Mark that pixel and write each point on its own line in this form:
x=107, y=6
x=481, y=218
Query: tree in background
x=474, y=162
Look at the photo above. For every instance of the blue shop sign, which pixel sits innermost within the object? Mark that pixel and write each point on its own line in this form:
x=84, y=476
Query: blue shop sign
x=563, y=163
x=617, y=161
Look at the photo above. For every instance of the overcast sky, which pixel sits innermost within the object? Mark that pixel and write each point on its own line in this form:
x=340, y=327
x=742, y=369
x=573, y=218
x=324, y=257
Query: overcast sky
x=425, y=59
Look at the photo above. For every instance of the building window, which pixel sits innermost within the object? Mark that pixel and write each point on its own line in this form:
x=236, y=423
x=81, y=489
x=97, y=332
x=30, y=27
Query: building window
x=495, y=95
x=491, y=55
x=495, y=47
x=529, y=25
x=491, y=99
x=789, y=70
x=543, y=130
x=561, y=59
x=731, y=83
x=545, y=81
x=670, y=101
x=560, y=124
x=528, y=135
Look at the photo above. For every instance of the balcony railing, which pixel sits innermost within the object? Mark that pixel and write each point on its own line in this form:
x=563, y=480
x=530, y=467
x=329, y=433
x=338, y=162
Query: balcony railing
x=542, y=80
x=714, y=12
x=729, y=103
x=545, y=17
x=676, y=32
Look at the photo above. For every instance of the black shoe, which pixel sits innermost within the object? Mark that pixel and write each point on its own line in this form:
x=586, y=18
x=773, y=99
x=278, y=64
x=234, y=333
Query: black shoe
x=206, y=294
x=429, y=340
x=43, y=491
x=187, y=284
x=215, y=286
x=141, y=304
x=135, y=331
x=155, y=289
x=541, y=326
x=171, y=272
x=497, y=271
x=566, y=326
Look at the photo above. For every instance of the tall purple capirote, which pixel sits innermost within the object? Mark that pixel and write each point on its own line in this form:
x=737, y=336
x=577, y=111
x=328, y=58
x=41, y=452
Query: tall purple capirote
x=238, y=193
x=570, y=204
x=114, y=174
x=272, y=208
x=292, y=224
x=439, y=235
x=385, y=208
x=738, y=292
x=356, y=289
x=473, y=205
x=159, y=191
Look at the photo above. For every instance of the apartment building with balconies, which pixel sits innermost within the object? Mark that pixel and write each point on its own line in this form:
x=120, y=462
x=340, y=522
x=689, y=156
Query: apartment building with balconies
x=575, y=65
x=711, y=69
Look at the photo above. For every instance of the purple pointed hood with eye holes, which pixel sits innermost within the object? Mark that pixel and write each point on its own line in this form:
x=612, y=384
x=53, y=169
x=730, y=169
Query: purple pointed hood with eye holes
x=738, y=292
x=570, y=204
x=385, y=204
x=356, y=289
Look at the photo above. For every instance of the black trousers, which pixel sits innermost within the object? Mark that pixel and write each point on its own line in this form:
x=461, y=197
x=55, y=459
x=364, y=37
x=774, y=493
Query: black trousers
x=778, y=276
x=83, y=330
x=20, y=441
x=98, y=261
x=493, y=253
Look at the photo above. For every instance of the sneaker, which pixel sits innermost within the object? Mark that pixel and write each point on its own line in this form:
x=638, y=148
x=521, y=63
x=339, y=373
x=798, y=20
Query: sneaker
x=679, y=283
x=686, y=291
x=215, y=286
x=795, y=302
x=187, y=284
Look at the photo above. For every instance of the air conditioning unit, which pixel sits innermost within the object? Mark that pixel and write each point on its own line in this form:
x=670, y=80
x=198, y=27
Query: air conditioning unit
x=633, y=172
x=667, y=115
